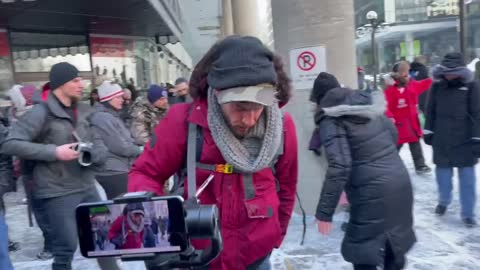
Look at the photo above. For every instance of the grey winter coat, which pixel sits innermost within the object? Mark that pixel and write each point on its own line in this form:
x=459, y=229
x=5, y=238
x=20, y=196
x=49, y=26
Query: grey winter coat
x=7, y=182
x=452, y=124
x=36, y=135
x=360, y=146
x=108, y=125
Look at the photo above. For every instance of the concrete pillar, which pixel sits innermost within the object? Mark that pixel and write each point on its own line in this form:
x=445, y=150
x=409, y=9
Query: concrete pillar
x=380, y=56
x=253, y=18
x=227, y=22
x=305, y=23
x=390, y=16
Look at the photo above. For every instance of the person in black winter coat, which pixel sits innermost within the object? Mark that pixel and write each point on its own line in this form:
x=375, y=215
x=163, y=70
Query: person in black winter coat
x=360, y=146
x=418, y=72
x=452, y=128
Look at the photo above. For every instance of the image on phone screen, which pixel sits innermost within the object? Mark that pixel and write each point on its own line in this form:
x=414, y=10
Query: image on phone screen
x=131, y=228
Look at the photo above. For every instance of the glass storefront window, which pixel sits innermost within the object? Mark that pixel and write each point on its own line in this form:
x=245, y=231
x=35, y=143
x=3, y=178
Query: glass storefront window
x=126, y=60
x=38, y=52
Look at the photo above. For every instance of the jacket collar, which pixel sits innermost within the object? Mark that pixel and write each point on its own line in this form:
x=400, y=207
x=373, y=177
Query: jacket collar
x=99, y=107
x=56, y=108
x=198, y=112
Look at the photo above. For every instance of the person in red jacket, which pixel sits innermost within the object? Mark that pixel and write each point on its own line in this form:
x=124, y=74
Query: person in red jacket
x=236, y=104
x=402, y=107
x=127, y=230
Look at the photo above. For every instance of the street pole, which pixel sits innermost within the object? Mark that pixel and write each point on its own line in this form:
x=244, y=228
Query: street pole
x=463, y=45
x=374, y=56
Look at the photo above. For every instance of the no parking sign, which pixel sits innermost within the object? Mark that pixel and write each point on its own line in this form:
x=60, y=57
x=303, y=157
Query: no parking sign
x=305, y=65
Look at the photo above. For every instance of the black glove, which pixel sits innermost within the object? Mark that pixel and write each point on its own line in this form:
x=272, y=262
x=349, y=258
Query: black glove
x=428, y=139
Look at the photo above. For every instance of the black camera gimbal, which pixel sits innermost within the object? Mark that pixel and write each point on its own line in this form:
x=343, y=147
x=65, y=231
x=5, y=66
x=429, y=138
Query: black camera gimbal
x=201, y=222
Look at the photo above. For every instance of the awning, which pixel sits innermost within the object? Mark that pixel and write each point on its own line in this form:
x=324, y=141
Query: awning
x=116, y=17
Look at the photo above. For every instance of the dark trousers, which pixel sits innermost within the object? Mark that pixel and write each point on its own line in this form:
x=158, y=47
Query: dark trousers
x=61, y=219
x=390, y=262
x=114, y=185
x=417, y=154
x=41, y=216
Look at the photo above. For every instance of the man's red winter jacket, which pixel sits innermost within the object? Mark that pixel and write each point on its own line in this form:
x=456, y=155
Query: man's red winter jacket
x=402, y=107
x=131, y=239
x=247, y=236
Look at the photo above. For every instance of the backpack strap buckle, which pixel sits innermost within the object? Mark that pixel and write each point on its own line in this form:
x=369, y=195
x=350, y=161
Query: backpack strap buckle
x=224, y=168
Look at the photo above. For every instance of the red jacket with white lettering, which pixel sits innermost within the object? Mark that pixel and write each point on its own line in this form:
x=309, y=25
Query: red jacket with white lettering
x=402, y=103
x=247, y=236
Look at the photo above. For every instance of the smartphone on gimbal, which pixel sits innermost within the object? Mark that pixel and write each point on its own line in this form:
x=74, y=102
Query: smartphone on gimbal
x=125, y=228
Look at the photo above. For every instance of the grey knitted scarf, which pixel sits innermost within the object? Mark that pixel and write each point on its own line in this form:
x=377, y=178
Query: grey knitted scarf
x=257, y=150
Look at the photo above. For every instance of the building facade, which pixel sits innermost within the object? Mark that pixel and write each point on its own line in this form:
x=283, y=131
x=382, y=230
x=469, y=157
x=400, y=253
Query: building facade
x=419, y=27
x=128, y=42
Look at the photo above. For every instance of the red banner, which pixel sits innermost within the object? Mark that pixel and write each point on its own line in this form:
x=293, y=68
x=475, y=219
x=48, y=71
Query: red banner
x=4, y=45
x=110, y=47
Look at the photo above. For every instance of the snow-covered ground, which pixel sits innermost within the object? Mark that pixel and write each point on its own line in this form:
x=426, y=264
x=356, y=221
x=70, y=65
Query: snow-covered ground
x=443, y=243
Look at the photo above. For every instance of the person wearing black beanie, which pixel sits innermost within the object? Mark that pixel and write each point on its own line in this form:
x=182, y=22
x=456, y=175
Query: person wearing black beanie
x=48, y=134
x=322, y=84
x=61, y=74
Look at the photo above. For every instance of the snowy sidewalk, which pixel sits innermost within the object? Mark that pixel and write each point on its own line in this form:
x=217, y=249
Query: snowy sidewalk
x=443, y=243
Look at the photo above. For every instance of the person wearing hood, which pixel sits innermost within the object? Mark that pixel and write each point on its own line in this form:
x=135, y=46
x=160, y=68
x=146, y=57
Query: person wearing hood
x=236, y=108
x=127, y=231
x=108, y=125
x=22, y=99
x=402, y=101
x=361, y=149
x=452, y=128
x=147, y=112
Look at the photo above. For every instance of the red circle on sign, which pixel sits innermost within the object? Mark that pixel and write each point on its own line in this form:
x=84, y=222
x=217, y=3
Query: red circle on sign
x=306, y=61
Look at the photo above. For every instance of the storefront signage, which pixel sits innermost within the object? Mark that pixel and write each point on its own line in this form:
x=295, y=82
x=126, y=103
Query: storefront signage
x=443, y=8
x=110, y=47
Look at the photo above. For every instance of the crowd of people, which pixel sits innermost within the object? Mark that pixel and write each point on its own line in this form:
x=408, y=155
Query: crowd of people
x=232, y=107
x=40, y=133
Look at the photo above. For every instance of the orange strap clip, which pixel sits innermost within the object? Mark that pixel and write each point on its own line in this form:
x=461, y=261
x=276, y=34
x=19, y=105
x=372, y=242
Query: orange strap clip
x=224, y=168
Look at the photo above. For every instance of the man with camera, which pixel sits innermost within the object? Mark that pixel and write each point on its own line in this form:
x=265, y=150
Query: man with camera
x=248, y=145
x=50, y=134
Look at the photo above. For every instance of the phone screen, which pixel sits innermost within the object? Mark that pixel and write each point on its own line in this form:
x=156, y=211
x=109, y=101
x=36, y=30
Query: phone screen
x=132, y=228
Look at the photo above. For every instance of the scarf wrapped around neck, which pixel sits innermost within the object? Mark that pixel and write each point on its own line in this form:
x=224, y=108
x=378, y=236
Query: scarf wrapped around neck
x=258, y=149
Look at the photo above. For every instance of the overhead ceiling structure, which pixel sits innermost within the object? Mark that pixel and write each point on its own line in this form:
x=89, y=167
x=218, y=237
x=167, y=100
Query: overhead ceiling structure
x=115, y=17
x=201, y=24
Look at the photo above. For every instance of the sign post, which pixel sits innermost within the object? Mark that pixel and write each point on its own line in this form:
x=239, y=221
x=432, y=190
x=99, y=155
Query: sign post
x=305, y=65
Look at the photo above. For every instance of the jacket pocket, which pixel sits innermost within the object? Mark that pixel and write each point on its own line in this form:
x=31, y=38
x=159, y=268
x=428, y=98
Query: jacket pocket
x=262, y=226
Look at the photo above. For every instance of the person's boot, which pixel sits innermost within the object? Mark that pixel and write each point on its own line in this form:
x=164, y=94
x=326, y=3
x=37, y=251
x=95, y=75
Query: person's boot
x=44, y=255
x=423, y=170
x=440, y=210
x=470, y=222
